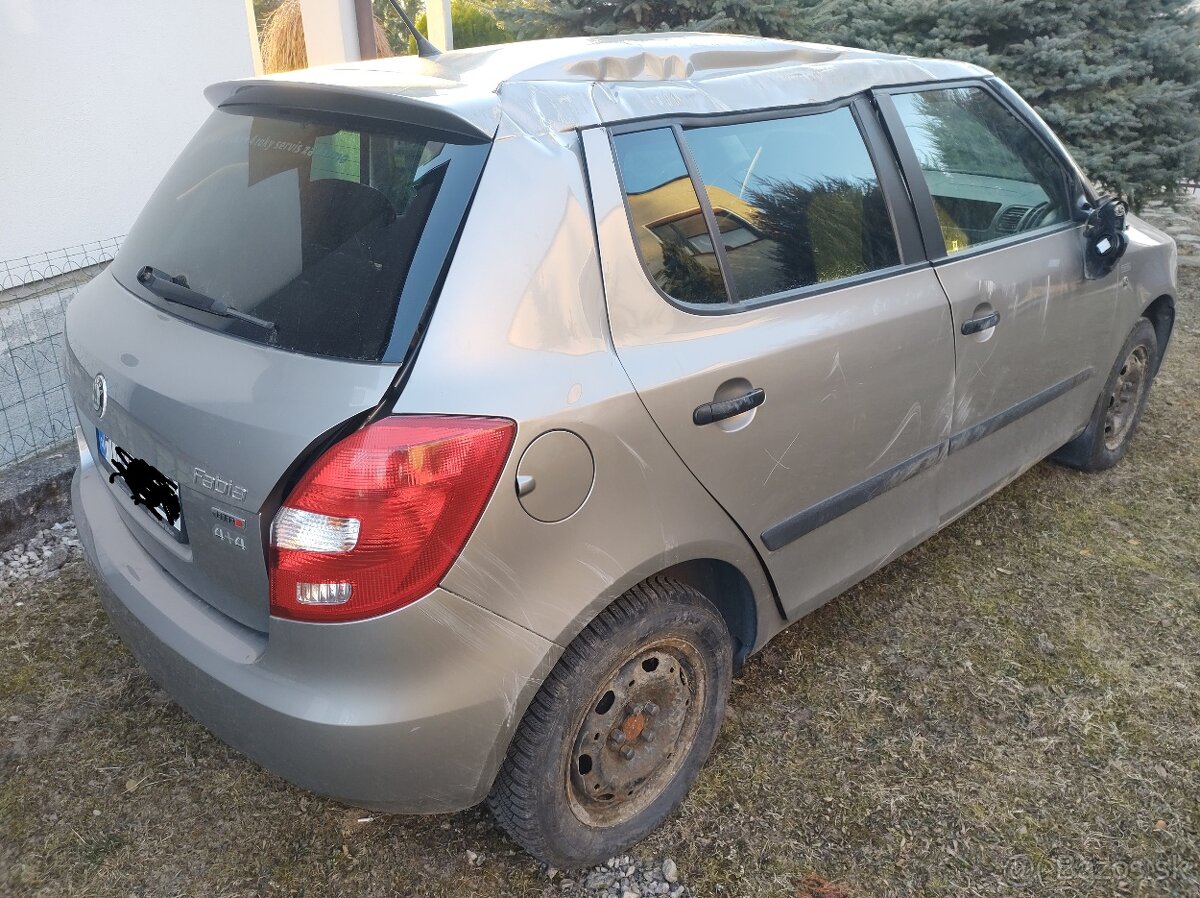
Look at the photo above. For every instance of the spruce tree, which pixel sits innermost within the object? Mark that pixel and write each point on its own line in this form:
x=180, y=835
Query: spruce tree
x=1118, y=80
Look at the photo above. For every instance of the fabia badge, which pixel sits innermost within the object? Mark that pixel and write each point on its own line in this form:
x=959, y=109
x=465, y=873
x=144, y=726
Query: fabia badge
x=218, y=485
x=99, y=395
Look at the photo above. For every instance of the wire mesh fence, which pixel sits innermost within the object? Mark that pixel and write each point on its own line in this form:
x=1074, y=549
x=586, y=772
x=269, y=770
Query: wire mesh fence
x=35, y=411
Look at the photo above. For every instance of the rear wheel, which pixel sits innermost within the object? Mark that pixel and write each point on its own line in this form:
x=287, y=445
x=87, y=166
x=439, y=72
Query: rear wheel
x=1116, y=417
x=618, y=732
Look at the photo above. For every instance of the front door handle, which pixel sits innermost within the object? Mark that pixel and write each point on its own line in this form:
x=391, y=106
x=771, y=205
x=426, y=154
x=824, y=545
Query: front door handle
x=727, y=408
x=975, y=325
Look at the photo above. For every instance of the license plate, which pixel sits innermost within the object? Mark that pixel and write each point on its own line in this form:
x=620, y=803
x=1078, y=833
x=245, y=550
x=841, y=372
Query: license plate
x=146, y=485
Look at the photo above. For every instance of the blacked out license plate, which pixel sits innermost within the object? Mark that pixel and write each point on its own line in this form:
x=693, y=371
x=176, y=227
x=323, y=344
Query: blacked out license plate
x=146, y=485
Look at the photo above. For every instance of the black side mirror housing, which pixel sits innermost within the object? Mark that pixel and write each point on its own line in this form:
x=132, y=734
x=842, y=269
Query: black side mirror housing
x=1105, y=238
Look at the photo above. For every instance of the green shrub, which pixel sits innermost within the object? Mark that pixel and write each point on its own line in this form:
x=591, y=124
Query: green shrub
x=474, y=26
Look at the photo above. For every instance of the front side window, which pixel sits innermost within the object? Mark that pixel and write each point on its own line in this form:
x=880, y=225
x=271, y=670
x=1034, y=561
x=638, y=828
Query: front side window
x=989, y=175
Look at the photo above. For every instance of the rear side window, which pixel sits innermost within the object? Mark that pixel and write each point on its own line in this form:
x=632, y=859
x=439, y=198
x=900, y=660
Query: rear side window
x=311, y=224
x=989, y=175
x=668, y=223
x=796, y=202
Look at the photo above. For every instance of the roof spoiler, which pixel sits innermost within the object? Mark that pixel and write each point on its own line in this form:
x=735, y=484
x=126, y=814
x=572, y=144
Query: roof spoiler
x=368, y=104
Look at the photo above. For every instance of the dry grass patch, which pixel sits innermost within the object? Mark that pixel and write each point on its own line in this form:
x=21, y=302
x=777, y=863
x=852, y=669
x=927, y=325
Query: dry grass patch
x=1012, y=708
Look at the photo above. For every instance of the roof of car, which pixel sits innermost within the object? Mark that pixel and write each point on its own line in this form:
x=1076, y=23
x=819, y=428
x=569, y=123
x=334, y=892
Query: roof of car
x=558, y=85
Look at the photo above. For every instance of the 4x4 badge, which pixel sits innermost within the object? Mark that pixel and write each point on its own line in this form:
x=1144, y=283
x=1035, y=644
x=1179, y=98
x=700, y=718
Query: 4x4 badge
x=99, y=395
x=231, y=530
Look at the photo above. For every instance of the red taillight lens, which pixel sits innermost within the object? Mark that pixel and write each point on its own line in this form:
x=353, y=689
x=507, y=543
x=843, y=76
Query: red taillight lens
x=379, y=519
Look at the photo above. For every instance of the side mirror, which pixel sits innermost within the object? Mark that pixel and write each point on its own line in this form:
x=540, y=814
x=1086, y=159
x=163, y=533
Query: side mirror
x=1105, y=238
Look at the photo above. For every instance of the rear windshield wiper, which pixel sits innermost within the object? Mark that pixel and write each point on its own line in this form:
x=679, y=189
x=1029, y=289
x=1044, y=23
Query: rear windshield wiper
x=176, y=290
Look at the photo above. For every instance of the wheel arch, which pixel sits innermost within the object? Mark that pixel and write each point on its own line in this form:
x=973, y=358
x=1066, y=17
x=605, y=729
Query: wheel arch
x=1161, y=314
x=730, y=591
x=736, y=584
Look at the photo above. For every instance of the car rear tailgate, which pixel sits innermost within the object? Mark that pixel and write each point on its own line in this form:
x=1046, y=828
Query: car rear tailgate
x=270, y=290
x=224, y=418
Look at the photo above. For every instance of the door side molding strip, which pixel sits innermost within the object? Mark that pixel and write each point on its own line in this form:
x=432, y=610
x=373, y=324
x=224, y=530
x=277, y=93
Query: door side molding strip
x=791, y=529
x=987, y=426
x=804, y=522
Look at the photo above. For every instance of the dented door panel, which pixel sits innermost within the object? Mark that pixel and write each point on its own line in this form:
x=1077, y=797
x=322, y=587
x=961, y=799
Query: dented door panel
x=997, y=206
x=1028, y=386
x=1050, y=322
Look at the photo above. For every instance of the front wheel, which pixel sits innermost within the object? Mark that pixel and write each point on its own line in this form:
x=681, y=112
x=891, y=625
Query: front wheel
x=1116, y=417
x=615, y=737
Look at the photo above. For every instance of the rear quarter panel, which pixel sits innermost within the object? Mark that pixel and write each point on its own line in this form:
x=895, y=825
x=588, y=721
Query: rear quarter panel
x=521, y=332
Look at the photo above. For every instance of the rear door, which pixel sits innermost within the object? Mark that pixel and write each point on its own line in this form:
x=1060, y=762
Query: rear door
x=335, y=230
x=801, y=364
x=996, y=205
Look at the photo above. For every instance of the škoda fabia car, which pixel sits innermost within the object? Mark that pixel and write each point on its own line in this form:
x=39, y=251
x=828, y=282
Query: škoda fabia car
x=453, y=429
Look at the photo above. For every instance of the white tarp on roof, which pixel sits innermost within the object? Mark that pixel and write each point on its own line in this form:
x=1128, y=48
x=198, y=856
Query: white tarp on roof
x=559, y=85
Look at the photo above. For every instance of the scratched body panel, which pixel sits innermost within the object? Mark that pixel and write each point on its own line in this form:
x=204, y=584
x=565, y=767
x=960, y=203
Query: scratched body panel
x=1147, y=273
x=1053, y=328
x=541, y=354
x=857, y=380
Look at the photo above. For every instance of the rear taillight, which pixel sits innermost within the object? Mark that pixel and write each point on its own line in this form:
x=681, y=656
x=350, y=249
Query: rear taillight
x=377, y=521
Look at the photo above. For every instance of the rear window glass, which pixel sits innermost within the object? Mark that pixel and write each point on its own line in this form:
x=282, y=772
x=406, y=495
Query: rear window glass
x=313, y=225
x=795, y=202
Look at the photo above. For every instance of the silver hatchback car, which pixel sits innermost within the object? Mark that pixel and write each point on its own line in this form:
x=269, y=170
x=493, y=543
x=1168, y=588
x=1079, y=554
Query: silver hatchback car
x=453, y=429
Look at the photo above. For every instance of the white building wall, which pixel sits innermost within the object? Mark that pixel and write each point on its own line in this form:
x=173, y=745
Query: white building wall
x=96, y=101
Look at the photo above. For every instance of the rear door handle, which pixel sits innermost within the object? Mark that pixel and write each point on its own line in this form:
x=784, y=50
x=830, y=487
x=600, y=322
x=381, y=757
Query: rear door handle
x=727, y=408
x=975, y=325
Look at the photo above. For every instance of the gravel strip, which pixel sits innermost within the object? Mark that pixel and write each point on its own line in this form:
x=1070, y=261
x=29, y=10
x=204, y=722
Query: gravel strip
x=627, y=877
x=41, y=556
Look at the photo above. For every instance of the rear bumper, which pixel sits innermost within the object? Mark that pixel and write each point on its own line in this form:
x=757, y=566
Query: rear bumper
x=409, y=712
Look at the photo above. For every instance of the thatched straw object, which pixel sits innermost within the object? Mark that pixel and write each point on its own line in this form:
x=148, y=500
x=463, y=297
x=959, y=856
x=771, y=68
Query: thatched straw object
x=282, y=39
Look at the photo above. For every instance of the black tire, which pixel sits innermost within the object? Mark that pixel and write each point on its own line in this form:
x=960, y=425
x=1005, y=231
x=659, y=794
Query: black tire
x=1119, y=408
x=667, y=652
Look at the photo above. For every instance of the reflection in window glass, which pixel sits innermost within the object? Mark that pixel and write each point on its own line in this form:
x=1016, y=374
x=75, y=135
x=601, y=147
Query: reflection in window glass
x=337, y=155
x=989, y=175
x=309, y=224
x=671, y=232
x=797, y=200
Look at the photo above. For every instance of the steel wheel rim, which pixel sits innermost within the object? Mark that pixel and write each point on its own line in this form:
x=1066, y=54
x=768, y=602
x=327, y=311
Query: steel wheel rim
x=1126, y=398
x=637, y=731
